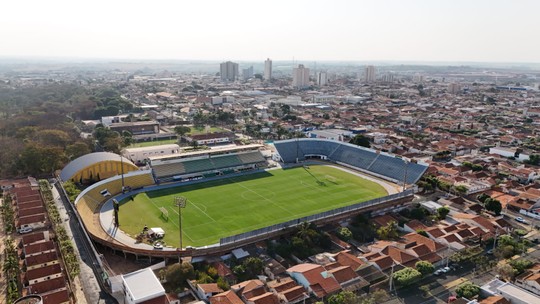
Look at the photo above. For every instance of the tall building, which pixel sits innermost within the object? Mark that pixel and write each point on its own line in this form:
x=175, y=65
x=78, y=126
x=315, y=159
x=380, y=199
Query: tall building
x=321, y=78
x=228, y=71
x=454, y=88
x=300, y=77
x=267, y=69
x=369, y=74
x=247, y=73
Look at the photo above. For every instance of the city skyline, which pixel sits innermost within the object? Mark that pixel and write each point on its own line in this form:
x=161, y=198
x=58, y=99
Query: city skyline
x=455, y=31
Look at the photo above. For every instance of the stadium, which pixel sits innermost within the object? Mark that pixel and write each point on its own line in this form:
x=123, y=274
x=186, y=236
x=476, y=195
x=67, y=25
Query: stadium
x=231, y=196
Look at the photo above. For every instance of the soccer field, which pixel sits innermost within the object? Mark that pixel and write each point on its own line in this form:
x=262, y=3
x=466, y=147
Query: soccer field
x=230, y=206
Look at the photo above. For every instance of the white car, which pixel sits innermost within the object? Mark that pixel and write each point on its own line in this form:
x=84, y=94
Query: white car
x=158, y=245
x=24, y=230
x=521, y=220
x=438, y=272
x=445, y=269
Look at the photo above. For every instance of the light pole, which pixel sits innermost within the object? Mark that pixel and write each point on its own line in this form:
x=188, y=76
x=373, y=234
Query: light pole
x=180, y=202
x=405, y=164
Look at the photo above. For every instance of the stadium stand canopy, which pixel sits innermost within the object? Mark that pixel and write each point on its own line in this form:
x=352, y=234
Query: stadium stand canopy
x=97, y=166
x=379, y=164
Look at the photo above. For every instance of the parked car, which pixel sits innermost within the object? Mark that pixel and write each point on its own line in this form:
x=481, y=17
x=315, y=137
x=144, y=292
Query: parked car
x=445, y=269
x=490, y=252
x=521, y=220
x=437, y=272
x=158, y=245
x=24, y=230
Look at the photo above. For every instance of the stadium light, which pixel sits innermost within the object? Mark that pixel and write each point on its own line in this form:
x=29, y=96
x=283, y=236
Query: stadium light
x=180, y=202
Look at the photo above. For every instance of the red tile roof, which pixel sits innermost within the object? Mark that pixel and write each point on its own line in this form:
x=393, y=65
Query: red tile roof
x=320, y=282
x=227, y=297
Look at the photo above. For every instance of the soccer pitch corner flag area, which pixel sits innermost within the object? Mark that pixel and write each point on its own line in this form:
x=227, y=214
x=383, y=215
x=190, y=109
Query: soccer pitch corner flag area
x=229, y=206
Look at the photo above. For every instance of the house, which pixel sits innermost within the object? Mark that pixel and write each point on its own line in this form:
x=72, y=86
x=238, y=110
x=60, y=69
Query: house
x=41, y=260
x=254, y=292
x=205, y=291
x=227, y=297
x=37, y=275
x=315, y=279
x=142, y=286
x=38, y=248
x=288, y=291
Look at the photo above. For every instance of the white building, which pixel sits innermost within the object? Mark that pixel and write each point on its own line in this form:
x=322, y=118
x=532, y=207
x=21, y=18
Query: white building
x=508, y=152
x=141, y=286
x=228, y=71
x=139, y=155
x=322, y=78
x=369, y=74
x=300, y=77
x=247, y=73
x=267, y=69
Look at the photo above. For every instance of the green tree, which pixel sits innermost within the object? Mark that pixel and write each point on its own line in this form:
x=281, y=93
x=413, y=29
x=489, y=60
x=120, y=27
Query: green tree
x=468, y=290
x=344, y=233
x=461, y=189
x=177, y=274
x=424, y=267
x=493, y=205
x=442, y=212
x=406, y=276
x=182, y=130
x=344, y=297
x=506, y=272
x=253, y=266
x=419, y=213
x=360, y=140
x=388, y=231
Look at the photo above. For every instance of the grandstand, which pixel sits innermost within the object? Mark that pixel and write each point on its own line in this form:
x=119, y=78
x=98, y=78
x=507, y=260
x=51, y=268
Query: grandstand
x=376, y=163
x=207, y=163
x=89, y=200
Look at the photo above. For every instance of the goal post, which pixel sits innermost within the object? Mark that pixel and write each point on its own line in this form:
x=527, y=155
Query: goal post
x=164, y=213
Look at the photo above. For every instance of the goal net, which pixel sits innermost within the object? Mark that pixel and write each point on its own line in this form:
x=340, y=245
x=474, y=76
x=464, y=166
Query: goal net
x=164, y=213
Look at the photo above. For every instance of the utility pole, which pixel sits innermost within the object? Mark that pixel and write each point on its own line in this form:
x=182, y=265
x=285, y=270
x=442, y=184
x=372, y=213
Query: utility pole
x=495, y=239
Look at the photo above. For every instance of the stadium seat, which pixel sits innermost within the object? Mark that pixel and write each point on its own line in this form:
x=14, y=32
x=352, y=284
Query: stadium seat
x=381, y=164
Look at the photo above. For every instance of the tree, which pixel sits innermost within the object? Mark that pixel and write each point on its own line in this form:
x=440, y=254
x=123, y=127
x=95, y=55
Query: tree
x=461, y=189
x=534, y=159
x=424, y=267
x=521, y=265
x=468, y=290
x=422, y=233
x=344, y=233
x=483, y=197
x=506, y=272
x=177, y=274
x=360, y=140
x=253, y=266
x=344, y=297
x=442, y=212
x=406, y=276
x=493, y=205
x=182, y=130
x=418, y=213
x=388, y=232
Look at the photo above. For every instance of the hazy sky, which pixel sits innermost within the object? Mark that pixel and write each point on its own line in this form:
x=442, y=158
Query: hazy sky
x=401, y=30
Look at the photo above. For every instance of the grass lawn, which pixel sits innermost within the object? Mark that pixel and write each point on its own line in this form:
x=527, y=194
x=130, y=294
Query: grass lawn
x=202, y=130
x=230, y=206
x=153, y=143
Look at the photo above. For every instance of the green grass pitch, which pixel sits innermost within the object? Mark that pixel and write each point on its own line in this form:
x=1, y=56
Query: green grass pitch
x=230, y=206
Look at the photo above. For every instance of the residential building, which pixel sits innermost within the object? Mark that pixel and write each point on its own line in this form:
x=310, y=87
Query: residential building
x=229, y=71
x=247, y=73
x=300, y=77
x=267, y=69
x=322, y=78
x=369, y=74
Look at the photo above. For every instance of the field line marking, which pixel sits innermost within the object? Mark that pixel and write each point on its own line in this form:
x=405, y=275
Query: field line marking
x=195, y=205
x=266, y=199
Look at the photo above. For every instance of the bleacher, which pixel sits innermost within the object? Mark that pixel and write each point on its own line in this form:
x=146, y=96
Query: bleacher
x=251, y=157
x=380, y=164
x=225, y=161
x=168, y=169
x=288, y=150
x=354, y=156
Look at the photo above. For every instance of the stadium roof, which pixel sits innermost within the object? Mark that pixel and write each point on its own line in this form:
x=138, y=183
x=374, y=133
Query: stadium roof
x=87, y=160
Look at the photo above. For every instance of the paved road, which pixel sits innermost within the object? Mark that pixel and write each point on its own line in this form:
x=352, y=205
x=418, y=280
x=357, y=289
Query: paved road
x=89, y=265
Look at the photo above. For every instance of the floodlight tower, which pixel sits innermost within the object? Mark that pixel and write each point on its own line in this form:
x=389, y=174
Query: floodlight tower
x=180, y=202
